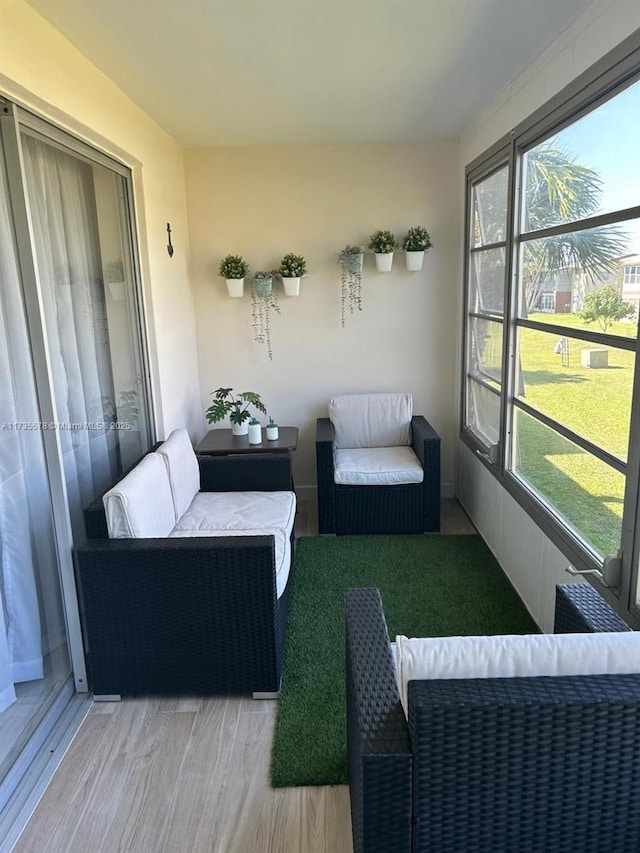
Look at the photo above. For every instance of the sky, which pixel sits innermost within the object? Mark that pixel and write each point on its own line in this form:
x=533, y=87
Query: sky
x=608, y=141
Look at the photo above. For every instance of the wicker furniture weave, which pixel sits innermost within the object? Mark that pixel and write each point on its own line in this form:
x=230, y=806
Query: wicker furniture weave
x=511, y=765
x=186, y=616
x=410, y=508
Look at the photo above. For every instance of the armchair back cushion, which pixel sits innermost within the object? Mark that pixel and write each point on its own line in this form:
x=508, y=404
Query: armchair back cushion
x=514, y=656
x=182, y=468
x=371, y=420
x=140, y=506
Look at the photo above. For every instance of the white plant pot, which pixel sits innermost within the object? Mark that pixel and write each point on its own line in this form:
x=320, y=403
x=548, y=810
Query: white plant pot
x=255, y=434
x=272, y=433
x=384, y=260
x=235, y=287
x=291, y=286
x=240, y=429
x=414, y=260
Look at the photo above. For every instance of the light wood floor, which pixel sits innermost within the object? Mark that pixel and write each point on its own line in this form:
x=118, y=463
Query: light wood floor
x=188, y=775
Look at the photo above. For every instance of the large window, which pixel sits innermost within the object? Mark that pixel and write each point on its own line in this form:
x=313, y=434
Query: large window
x=486, y=287
x=551, y=323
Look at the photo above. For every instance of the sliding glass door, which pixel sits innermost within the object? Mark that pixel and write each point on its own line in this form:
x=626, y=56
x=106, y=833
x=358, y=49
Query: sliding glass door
x=74, y=405
x=34, y=658
x=85, y=274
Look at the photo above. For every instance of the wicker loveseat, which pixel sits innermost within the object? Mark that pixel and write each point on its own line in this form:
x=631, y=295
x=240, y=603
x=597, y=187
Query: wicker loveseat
x=192, y=608
x=378, y=467
x=492, y=765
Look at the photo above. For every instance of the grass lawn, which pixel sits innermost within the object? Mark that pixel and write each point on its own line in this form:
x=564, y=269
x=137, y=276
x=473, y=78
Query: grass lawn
x=595, y=403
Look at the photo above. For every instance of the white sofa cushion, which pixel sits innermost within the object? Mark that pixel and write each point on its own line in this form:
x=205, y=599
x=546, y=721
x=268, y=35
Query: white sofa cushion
x=377, y=466
x=514, y=656
x=244, y=514
x=240, y=511
x=140, y=506
x=371, y=420
x=182, y=468
x=282, y=547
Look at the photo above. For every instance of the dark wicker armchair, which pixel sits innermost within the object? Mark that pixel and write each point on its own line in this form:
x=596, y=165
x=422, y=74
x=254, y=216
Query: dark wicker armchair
x=398, y=508
x=197, y=615
x=507, y=765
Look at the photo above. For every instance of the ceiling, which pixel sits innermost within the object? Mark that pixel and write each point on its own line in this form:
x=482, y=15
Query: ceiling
x=255, y=72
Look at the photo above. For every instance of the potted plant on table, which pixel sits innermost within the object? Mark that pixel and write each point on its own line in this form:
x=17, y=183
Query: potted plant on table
x=415, y=243
x=235, y=407
x=233, y=269
x=383, y=244
x=292, y=268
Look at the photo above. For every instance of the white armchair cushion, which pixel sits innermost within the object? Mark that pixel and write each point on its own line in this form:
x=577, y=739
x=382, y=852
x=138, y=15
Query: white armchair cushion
x=140, y=506
x=377, y=466
x=371, y=420
x=514, y=656
x=182, y=468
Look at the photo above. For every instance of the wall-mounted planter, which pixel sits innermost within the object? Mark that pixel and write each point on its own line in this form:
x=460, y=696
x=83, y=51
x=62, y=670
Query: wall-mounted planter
x=350, y=262
x=235, y=287
x=292, y=268
x=291, y=286
x=384, y=261
x=415, y=243
x=414, y=260
x=263, y=285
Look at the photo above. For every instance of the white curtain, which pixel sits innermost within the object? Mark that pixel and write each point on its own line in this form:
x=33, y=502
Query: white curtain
x=62, y=204
x=26, y=538
x=61, y=201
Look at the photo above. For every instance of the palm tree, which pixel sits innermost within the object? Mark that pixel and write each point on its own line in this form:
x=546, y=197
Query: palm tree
x=558, y=191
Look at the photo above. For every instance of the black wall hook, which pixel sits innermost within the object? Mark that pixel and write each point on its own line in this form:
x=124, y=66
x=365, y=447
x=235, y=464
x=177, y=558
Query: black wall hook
x=169, y=246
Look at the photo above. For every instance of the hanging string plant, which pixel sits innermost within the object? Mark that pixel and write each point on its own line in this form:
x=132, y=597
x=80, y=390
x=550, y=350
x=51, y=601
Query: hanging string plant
x=264, y=299
x=350, y=263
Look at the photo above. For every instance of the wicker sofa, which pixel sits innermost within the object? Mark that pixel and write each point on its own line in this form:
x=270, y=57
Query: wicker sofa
x=494, y=765
x=379, y=496
x=198, y=609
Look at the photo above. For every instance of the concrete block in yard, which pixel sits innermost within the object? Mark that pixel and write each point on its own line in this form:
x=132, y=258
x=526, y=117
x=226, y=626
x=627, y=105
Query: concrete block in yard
x=594, y=357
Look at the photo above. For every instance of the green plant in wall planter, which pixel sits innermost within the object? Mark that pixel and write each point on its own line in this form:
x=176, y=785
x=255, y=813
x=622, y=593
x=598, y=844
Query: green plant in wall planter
x=350, y=263
x=415, y=243
x=233, y=268
x=383, y=244
x=235, y=406
x=292, y=268
x=264, y=299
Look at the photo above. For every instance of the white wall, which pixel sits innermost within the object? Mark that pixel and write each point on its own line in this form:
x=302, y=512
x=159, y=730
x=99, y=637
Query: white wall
x=598, y=30
x=532, y=562
x=264, y=202
x=42, y=71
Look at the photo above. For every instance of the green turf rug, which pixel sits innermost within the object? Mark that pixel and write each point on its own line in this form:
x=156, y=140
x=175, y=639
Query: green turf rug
x=430, y=586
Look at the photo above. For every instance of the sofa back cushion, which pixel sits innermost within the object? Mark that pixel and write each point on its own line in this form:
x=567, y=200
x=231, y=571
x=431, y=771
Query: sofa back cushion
x=140, y=506
x=182, y=469
x=371, y=420
x=514, y=656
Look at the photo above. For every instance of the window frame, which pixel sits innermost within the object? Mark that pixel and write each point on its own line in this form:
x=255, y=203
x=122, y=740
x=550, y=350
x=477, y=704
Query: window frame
x=612, y=74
